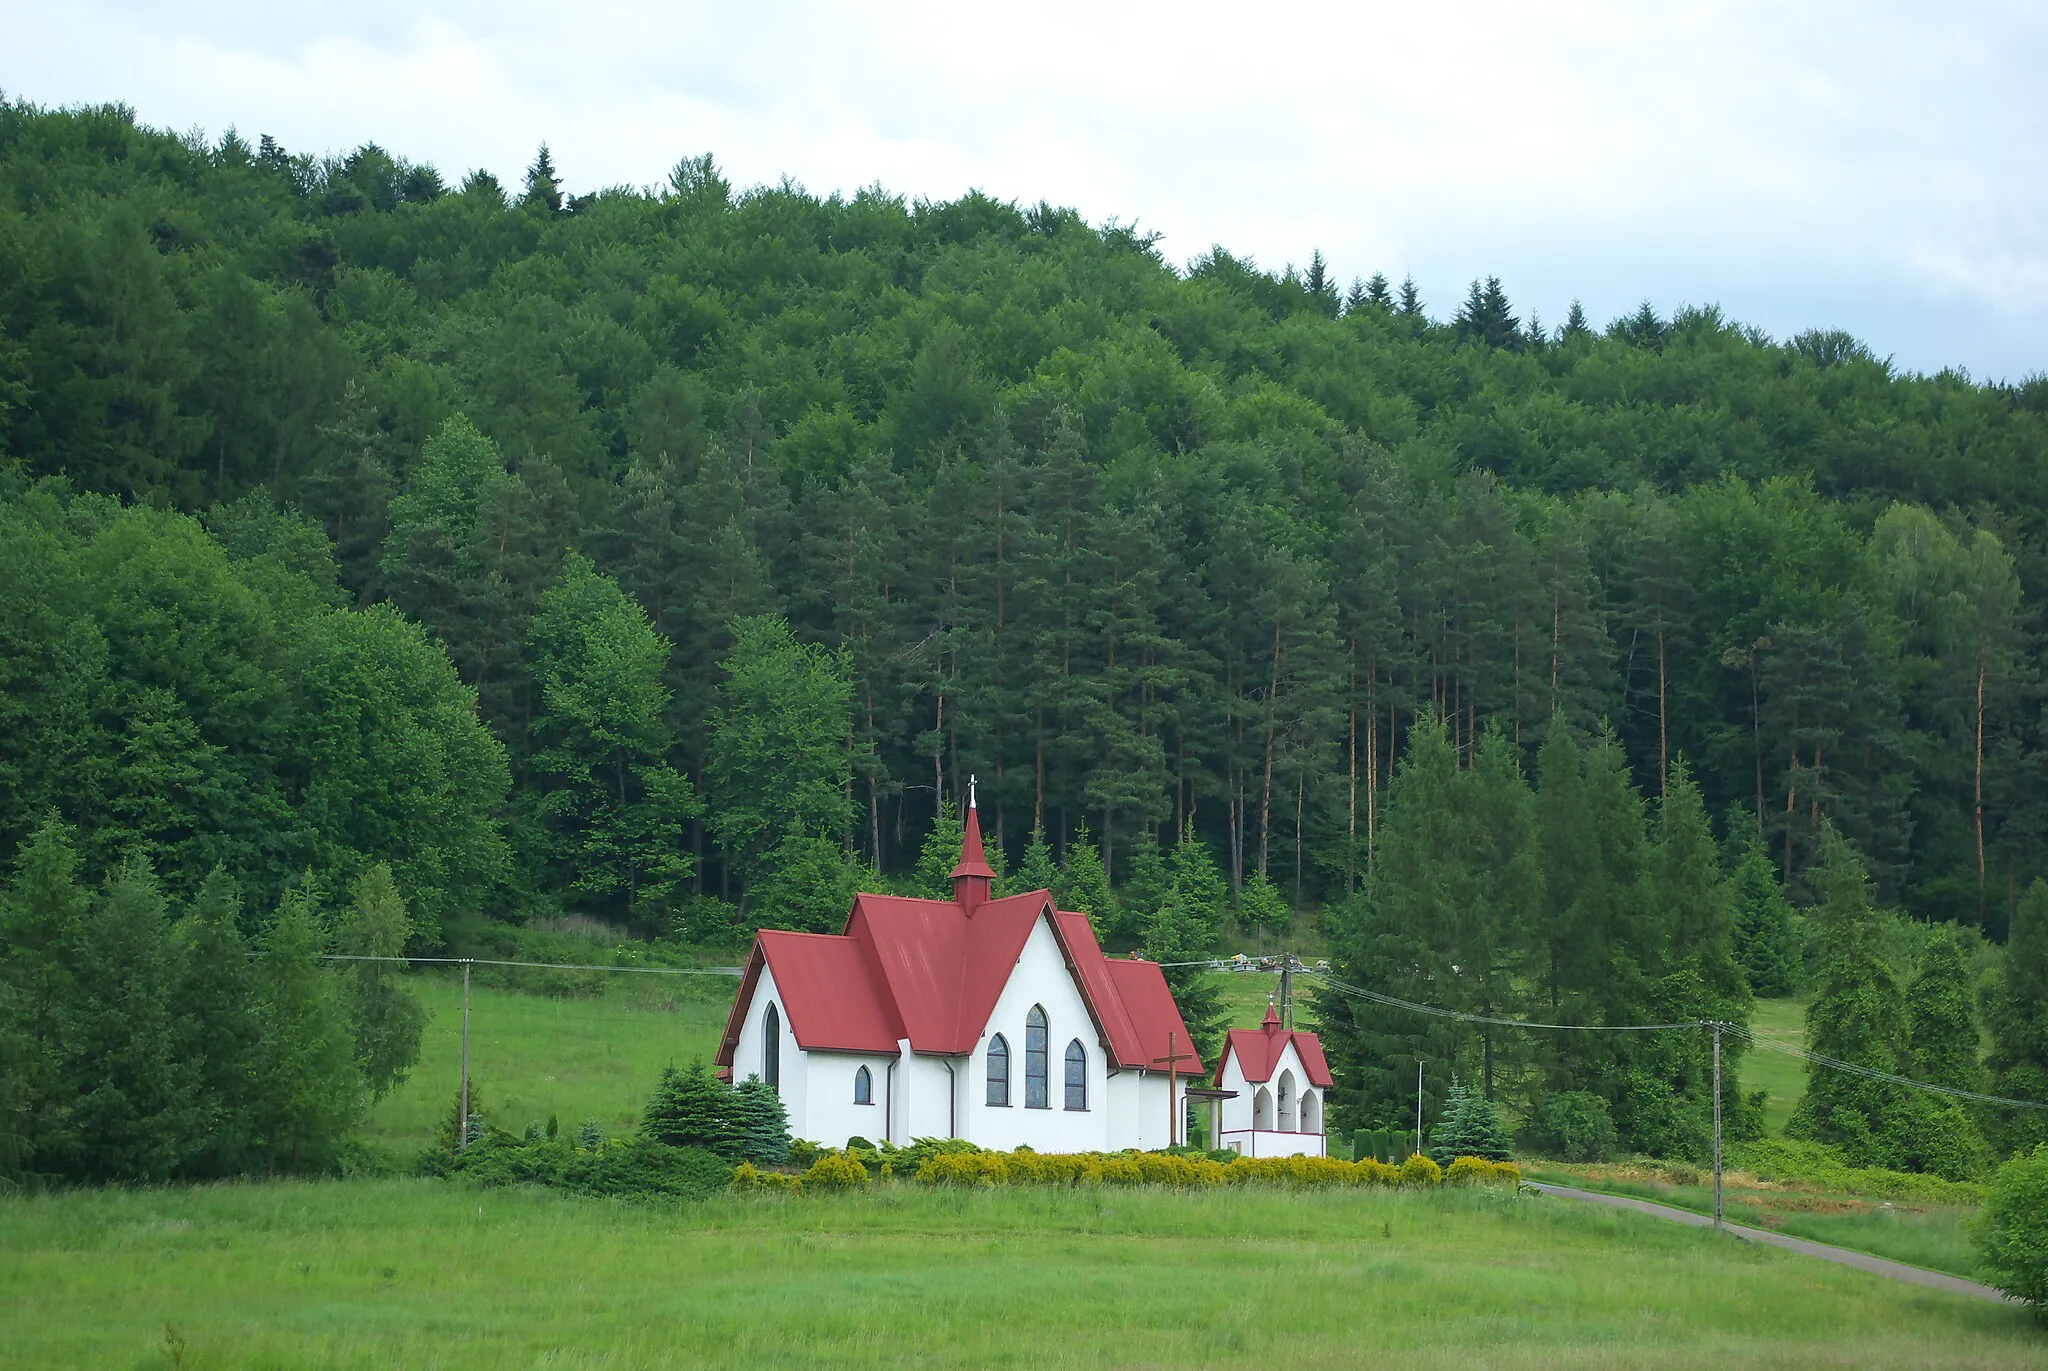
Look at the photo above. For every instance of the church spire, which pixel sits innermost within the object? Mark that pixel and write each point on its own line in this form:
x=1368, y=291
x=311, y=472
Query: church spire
x=972, y=878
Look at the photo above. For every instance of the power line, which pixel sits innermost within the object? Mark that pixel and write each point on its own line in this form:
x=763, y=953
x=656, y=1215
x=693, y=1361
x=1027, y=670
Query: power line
x=1460, y=1016
x=533, y=966
x=1874, y=1074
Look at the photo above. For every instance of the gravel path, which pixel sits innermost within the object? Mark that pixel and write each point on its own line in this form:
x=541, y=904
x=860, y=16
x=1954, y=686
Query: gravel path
x=1862, y=1261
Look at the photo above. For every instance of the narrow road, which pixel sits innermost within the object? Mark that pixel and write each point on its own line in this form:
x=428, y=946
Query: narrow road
x=1862, y=1261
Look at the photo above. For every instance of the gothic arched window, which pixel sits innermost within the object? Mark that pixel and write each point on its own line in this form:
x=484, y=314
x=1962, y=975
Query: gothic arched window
x=771, y=1050
x=999, y=1070
x=1034, y=1059
x=1077, y=1075
x=863, y=1087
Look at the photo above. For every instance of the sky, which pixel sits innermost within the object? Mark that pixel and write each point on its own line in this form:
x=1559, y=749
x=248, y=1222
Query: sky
x=1870, y=167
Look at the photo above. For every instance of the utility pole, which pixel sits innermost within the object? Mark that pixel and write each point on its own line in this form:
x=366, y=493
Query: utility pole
x=1171, y=1061
x=1717, y=1126
x=1287, y=991
x=462, y=1124
x=1418, y=1104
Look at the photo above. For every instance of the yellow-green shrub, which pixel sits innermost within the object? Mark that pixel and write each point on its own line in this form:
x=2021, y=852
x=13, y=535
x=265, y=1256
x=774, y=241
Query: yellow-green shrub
x=1507, y=1173
x=1419, y=1170
x=751, y=1181
x=835, y=1171
x=1468, y=1171
x=1372, y=1171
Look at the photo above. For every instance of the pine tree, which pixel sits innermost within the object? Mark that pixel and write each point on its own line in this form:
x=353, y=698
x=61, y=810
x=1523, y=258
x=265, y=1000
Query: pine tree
x=940, y=853
x=1355, y=298
x=1410, y=306
x=693, y=1108
x=810, y=887
x=2016, y=1015
x=760, y=1125
x=1261, y=907
x=1377, y=295
x=387, y=1020
x=1575, y=325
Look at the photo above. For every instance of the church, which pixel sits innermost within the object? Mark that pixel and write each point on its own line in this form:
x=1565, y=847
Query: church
x=1271, y=1085
x=999, y=1021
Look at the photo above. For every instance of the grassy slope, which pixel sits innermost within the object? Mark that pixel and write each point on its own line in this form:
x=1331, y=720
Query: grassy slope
x=534, y=1055
x=1782, y=1077
x=418, y=1273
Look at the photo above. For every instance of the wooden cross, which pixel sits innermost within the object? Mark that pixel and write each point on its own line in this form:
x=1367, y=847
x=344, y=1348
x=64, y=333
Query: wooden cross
x=1171, y=1061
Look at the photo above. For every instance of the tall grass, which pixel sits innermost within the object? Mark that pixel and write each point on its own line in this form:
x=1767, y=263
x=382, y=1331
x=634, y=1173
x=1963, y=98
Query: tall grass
x=418, y=1273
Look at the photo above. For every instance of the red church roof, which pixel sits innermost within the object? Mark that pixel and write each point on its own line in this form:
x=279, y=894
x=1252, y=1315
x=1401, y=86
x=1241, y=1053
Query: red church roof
x=932, y=970
x=1258, y=1050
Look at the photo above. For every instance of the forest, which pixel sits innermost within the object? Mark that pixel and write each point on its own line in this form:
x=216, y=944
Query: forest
x=674, y=556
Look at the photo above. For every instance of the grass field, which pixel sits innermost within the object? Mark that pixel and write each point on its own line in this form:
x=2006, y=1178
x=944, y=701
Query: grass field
x=531, y=1055
x=1782, y=1077
x=433, y=1274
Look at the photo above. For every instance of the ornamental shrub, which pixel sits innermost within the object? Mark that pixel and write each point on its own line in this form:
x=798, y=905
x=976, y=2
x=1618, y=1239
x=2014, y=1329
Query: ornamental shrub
x=1573, y=1126
x=2011, y=1233
x=692, y=1108
x=835, y=1171
x=749, y=1181
x=1421, y=1171
x=760, y=1125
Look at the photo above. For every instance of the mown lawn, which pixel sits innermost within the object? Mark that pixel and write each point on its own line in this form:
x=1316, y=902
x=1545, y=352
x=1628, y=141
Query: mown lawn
x=431, y=1274
x=532, y=1054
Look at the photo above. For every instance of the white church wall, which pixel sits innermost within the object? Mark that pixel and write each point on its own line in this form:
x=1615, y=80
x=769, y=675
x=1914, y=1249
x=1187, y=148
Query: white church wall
x=830, y=1114
x=749, y=1058
x=1040, y=978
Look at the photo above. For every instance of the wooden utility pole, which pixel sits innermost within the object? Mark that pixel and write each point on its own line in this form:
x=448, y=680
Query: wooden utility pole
x=1287, y=991
x=1717, y=1127
x=462, y=1124
x=1171, y=1061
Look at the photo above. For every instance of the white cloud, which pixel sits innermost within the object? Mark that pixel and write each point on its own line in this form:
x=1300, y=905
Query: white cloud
x=1831, y=164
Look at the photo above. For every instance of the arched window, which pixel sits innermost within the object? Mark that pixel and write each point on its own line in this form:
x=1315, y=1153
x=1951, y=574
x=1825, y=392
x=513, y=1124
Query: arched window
x=1311, y=1112
x=1287, y=1101
x=1262, y=1110
x=771, y=1049
x=863, y=1087
x=999, y=1070
x=1034, y=1059
x=1077, y=1075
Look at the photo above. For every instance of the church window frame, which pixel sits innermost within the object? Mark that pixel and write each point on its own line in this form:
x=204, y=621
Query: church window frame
x=998, y=1059
x=863, y=1086
x=771, y=1048
x=1037, y=1052
x=1077, y=1077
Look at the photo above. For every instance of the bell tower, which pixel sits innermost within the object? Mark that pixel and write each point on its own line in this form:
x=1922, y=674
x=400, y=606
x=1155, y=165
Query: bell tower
x=972, y=878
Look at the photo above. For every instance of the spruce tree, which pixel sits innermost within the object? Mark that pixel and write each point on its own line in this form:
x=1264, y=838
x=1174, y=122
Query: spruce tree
x=1470, y=1127
x=1037, y=871
x=693, y=1108
x=1377, y=295
x=543, y=186
x=2016, y=1015
x=42, y=928
x=134, y=1093
x=1084, y=886
x=308, y=1089
x=1858, y=1014
x=218, y=1023
x=1183, y=929
x=1765, y=942
x=760, y=1125
x=1941, y=1015
x=933, y=875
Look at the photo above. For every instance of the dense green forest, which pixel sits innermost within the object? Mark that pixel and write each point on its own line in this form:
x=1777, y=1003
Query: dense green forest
x=675, y=556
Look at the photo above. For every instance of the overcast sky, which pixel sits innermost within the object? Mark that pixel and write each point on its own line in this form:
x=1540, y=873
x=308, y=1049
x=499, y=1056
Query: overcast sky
x=1864, y=166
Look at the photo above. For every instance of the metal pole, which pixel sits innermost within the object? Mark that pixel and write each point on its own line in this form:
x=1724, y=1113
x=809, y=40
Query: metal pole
x=1287, y=991
x=1172, y=1079
x=462, y=1124
x=1418, y=1104
x=1717, y=1127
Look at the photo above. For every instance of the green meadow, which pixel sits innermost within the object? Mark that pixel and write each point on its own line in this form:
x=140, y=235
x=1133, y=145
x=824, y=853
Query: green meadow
x=593, y=1055
x=425, y=1274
